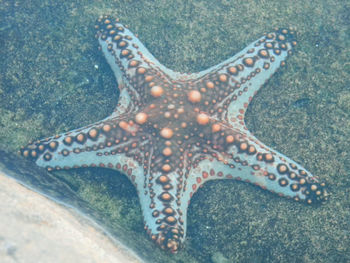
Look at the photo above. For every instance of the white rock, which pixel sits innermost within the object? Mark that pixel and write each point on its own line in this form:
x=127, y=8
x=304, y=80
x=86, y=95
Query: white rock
x=36, y=229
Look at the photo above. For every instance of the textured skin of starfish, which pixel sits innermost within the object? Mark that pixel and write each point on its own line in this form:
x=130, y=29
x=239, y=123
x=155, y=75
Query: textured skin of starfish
x=172, y=132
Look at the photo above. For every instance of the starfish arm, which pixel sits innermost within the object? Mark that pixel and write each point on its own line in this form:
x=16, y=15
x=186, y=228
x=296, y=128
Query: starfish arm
x=134, y=67
x=124, y=104
x=242, y=157
x=231, y=85
x=164, y=222
x=110, y=143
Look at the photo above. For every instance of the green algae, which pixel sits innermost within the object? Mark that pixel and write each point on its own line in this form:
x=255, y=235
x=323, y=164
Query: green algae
x=50, y=84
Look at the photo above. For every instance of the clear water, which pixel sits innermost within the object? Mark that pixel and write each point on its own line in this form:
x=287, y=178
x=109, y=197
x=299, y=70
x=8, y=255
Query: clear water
x=53, y=79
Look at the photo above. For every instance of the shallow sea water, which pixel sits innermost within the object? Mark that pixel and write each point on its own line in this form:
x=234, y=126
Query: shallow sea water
x=54, y=79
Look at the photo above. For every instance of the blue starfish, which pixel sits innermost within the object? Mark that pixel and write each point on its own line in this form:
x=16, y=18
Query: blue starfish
x=172, y=132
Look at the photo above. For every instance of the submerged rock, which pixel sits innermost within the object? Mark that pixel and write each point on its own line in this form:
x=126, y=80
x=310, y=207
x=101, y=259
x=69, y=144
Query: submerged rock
x=34, y=228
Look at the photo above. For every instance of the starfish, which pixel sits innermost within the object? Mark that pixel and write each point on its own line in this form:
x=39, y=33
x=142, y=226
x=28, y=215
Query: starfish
x=171, y=132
